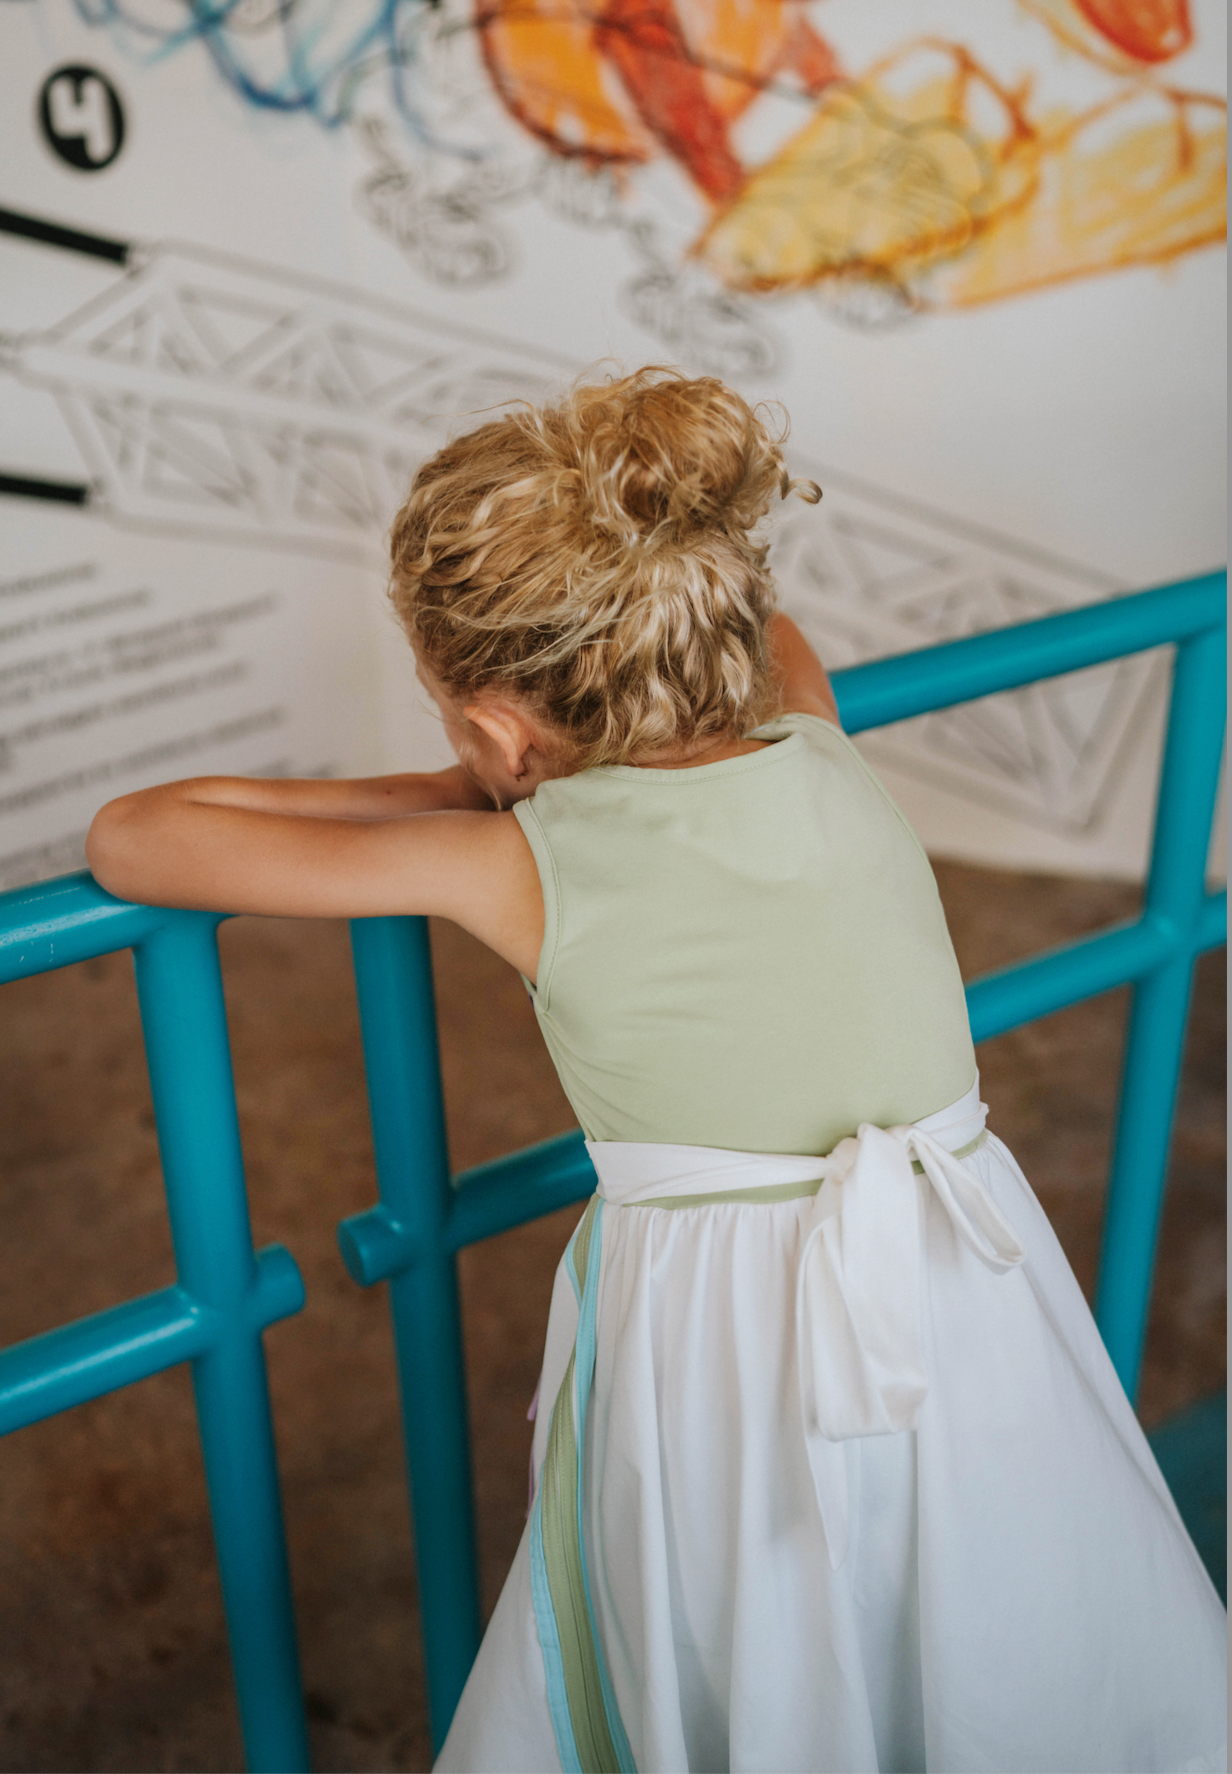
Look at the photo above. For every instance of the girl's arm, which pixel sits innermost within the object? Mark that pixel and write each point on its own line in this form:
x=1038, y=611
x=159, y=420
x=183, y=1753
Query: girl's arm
x=371, y=797
x=805, y=685
x=322, y=850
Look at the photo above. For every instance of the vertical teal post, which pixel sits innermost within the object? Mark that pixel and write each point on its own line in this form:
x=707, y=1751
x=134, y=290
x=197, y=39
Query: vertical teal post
x=393, y=977
x=1189, y=780
x=183, y=1014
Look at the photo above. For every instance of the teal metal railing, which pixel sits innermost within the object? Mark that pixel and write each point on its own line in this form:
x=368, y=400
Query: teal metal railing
x=226, y=1293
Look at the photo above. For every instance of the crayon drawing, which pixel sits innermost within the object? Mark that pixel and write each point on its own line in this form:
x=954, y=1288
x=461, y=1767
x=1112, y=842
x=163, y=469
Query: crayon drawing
x=938, y=175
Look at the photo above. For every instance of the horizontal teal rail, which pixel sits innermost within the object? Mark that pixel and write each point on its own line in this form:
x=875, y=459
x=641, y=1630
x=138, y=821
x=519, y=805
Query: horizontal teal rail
x=66, y=920
x=130, y=1342
x=491, y=1198
x=80, y=1361
x=226, y=1294
x=1014, y=995
x=909, y=684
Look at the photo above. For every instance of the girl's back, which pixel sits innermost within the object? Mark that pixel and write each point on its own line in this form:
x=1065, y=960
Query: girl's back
x=748, y=954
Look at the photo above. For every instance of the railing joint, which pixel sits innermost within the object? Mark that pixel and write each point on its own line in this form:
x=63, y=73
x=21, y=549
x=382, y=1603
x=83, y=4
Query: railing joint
x=1168, y=931
x=1212, y=921
x=375, y=1246
x=278, y=1290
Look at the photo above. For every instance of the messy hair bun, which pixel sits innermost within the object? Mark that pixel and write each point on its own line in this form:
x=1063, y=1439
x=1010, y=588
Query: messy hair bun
x=594, y=557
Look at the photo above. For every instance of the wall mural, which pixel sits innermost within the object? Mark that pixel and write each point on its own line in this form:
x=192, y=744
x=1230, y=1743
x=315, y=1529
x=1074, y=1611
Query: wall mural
x=220, y=399
x=258, y=257
x=921, y=180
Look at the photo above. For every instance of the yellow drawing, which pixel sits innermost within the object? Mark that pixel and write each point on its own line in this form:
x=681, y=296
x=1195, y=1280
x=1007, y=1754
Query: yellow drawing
x=930, y=177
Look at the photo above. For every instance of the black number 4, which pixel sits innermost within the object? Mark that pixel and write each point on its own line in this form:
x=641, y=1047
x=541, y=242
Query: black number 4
x=81, y=117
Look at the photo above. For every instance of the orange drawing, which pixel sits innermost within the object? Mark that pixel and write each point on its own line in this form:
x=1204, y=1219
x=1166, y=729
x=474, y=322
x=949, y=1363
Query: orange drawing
x=1120, y=34
x=924, y=181
x=622, y=82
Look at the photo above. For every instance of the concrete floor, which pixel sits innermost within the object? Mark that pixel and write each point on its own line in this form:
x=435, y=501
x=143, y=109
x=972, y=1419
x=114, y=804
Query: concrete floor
x=113, y=1646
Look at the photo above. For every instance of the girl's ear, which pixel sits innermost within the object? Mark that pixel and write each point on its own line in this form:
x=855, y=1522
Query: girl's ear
x=509, y=729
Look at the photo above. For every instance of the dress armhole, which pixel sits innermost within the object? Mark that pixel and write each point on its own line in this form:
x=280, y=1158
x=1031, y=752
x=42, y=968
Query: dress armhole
x=549, y=882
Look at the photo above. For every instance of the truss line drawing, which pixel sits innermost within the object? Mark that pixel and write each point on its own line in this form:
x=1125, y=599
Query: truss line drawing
x=214, y=396
x=884, y=574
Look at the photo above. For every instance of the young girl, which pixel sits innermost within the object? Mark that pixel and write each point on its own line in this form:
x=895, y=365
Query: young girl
x=832, y=1470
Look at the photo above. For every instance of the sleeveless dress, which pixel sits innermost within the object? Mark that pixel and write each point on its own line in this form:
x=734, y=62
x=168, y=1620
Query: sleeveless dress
x=832, y=1470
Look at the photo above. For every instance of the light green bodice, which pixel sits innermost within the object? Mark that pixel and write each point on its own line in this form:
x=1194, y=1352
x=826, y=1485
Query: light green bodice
x=750, y=954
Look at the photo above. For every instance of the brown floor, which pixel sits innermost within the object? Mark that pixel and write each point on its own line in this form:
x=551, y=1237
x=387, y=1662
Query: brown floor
x=113, y=1648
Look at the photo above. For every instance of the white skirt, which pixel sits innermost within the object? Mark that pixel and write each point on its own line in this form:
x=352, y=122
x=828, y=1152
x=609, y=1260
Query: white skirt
x=835, y=1479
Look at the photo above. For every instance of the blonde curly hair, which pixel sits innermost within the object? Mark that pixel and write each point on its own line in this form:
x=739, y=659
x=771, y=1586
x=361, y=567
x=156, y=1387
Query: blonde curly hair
x=595, y=558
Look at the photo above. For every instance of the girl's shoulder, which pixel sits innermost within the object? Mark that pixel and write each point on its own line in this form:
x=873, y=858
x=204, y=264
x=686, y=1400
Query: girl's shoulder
x=825, y=738
x=817, y=730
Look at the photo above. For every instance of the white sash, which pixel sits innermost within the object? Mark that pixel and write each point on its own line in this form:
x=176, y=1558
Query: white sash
x=859, y=1286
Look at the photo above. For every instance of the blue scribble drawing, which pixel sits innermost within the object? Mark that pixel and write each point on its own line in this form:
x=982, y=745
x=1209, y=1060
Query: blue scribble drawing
x=402, y=74
x=311, y=56
x=447, y=162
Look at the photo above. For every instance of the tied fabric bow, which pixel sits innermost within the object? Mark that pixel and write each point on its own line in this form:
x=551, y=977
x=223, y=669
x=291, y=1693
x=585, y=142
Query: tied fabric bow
x=859, y=1294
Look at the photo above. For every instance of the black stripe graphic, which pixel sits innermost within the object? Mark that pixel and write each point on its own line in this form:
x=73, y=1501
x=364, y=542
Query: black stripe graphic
x=73, y=240
x=61, y=492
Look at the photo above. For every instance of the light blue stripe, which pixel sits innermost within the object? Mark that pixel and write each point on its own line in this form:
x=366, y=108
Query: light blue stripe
x=571, y=1260
x=584, y=1369
x=549, y=1640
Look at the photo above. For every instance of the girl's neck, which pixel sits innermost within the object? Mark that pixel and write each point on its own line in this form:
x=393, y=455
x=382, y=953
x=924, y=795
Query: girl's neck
x=713, y=751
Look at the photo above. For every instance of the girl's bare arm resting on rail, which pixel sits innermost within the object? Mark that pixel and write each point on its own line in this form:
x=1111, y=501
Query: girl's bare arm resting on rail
x=368, y=797
x=313, y=850
x=369, y=848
